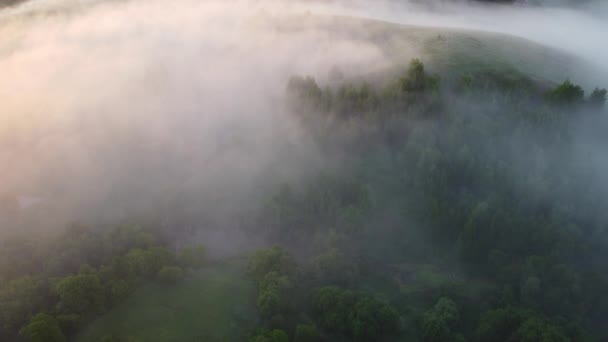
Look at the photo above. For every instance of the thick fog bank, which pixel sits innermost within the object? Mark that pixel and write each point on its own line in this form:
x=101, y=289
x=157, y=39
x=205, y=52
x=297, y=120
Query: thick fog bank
x=115, y=109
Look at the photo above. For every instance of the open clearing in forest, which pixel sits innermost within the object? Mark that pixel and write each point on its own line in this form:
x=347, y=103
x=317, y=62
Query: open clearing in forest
x=214, y=304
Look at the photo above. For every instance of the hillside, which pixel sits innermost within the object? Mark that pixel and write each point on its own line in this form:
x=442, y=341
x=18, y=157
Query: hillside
x=394, y=262
x=202, y=171
x=449, y=52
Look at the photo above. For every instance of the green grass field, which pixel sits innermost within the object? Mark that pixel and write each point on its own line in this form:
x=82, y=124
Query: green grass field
x=214, y=304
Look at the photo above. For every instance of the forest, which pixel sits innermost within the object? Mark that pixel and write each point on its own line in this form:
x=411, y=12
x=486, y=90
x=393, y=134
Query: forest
x=469, y=208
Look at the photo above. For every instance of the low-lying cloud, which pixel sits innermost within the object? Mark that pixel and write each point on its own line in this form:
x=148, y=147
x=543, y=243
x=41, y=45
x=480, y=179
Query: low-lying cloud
x=120, y=107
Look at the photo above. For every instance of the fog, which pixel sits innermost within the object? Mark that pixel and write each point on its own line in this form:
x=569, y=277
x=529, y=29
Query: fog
x=117, y=109
x=123, y=106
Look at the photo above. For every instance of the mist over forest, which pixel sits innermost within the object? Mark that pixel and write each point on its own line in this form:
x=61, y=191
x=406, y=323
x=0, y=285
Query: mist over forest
x=299, y=171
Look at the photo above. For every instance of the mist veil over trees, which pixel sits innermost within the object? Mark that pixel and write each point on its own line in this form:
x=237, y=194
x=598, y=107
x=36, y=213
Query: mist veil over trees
x=305, y=171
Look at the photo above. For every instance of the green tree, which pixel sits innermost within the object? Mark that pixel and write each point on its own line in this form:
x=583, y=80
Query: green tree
x=416, y=77
x=437, y=323
x=567, y=93
x=332, y=267
x=147, y=262
x=43, y=328
x=535, y=329
x=305, y=89
x=81, y=294
x=19, y=300
x=498, y=324
x=170, y=274
x=446, y=310
x=273, y=294
x=598, y=97
x=356, y=315
x=118, y=290
x=372, y=319
x=307, y=333
x=139, y=263
x=530, y=290
x=275, y=335
x=435, y=329
x=274, y=259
